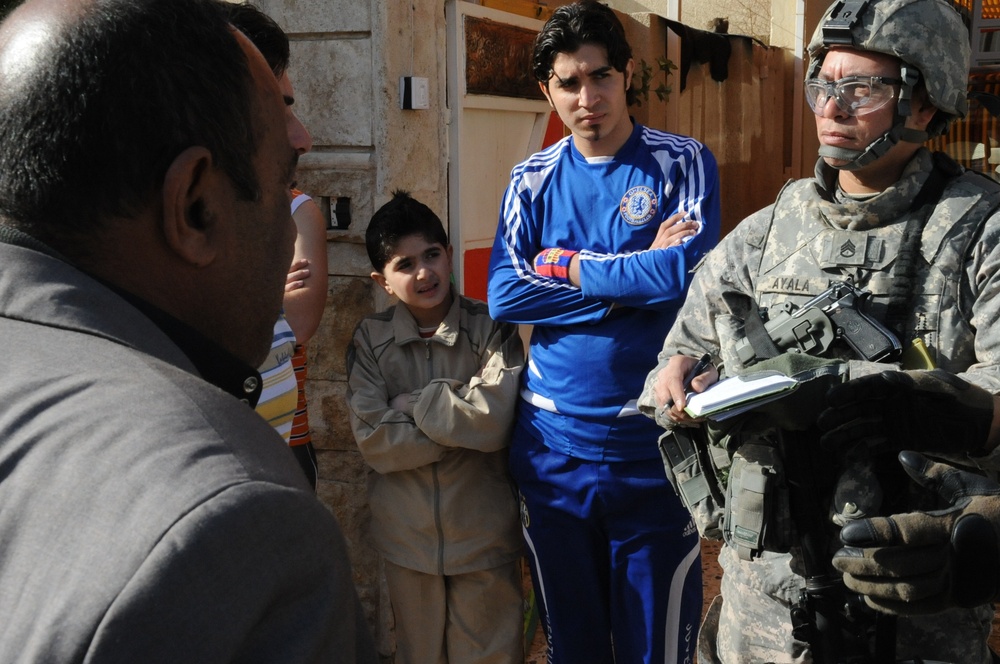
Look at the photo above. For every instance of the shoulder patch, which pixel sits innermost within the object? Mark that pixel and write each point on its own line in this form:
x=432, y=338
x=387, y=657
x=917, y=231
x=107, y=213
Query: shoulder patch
x=638, y=205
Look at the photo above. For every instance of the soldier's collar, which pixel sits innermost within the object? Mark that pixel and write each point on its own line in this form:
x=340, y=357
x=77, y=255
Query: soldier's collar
x=888, y=206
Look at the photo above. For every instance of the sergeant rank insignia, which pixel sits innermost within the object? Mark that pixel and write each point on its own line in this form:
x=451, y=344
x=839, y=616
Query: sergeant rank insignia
x=638, y=205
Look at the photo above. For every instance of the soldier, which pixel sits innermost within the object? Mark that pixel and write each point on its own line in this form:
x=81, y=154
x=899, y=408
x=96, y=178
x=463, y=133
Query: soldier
x=921, y=235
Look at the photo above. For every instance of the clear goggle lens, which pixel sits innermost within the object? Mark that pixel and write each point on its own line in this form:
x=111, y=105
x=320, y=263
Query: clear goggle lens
x=854, y=95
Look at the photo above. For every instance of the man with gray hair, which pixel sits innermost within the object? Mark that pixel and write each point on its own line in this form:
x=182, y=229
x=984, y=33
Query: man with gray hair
x=907, y=245
x=148, y=513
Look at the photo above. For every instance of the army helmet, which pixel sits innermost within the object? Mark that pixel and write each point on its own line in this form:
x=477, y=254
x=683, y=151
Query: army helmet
x=932, y=43
x=926, y=34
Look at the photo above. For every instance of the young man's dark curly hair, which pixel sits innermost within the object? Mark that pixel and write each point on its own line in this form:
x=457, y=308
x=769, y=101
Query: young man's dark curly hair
x=572, y=26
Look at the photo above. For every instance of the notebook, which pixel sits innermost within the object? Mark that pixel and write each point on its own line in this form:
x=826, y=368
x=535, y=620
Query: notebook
x=738, y=394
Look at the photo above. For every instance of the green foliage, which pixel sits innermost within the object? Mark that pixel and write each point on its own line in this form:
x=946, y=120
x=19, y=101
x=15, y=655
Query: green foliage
x=644, y=77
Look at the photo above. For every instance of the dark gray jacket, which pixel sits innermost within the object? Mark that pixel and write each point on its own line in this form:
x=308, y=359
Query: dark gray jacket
x=146, y=515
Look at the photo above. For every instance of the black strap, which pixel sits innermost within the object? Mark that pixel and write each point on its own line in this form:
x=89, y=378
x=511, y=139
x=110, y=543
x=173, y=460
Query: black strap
x=744, y=306
x=885, y=638
x=903, y=270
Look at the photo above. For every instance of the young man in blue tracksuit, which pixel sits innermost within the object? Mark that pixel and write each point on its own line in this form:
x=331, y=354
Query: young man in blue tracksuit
x=597, y=237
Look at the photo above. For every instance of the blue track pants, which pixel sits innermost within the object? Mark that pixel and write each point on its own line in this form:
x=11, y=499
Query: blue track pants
x=614, y=557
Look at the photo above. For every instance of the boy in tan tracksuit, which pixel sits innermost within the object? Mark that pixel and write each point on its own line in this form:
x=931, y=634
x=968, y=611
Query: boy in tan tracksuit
x=432, y=387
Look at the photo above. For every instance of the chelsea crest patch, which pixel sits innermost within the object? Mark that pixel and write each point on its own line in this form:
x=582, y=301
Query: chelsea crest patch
x=638, y=205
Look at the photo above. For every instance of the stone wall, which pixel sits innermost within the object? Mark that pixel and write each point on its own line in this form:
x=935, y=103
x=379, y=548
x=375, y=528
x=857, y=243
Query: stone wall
x=347, y=58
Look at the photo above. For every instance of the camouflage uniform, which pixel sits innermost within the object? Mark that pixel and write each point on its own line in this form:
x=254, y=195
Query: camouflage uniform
x=790, y=252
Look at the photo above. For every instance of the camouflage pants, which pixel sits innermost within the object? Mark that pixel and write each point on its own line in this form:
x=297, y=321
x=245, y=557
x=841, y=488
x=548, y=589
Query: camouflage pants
x=750, y=622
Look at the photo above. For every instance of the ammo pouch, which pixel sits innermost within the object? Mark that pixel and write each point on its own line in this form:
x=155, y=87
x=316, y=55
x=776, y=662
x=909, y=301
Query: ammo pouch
x=692, y=466
x=730, y=474
x=756, y=514
x=743, y=501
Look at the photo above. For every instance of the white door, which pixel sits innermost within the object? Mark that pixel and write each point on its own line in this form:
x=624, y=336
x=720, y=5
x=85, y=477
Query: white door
x=494, y=126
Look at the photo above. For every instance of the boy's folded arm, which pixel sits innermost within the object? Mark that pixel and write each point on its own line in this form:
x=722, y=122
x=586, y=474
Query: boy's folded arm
x=390, y=441
x=477, y=415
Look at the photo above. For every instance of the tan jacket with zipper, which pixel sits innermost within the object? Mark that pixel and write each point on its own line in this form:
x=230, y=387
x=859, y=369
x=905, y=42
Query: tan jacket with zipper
x=441, y=497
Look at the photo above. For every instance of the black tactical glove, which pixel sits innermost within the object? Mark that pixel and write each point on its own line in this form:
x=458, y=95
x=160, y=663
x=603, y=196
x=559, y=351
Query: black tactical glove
x=927, y=411
x=925, y=562
x=798, y=410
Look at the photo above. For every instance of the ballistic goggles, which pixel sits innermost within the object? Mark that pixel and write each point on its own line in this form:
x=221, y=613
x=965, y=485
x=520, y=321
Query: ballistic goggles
x=854, y=95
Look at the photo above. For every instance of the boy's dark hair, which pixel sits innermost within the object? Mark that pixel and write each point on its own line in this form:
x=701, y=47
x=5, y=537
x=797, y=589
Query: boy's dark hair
x=266, y=35
x=400, y=217
x=572, y=26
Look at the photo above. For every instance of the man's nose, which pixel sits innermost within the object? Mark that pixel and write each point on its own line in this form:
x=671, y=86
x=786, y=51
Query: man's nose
x=298, y=135
x=589, y=95
x=831, y=109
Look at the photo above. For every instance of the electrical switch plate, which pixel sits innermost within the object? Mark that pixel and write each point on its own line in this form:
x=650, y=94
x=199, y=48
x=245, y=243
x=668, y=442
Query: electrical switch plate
x=413, y=93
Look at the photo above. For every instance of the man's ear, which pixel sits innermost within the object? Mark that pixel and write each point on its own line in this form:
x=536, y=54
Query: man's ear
x=188, y=194
x=544, y=87
x=380, y=280
x=922, y=111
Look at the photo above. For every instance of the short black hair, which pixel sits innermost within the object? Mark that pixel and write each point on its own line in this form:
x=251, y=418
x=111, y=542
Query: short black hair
x=572, y=26
x=89, y=128
x=400, y=217
x=261, y=29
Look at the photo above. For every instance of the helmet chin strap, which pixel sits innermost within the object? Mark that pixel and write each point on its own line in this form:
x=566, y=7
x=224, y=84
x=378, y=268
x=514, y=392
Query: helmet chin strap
x=855, y=159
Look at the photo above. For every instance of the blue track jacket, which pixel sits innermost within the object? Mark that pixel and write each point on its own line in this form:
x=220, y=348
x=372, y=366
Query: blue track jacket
x=592, y=347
